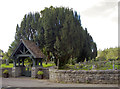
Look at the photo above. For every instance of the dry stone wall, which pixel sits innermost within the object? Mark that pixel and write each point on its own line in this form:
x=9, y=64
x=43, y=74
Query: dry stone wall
x=16, y=71
x=45, y=72
x=9, y=70
x=83, y=76
x=36, y=69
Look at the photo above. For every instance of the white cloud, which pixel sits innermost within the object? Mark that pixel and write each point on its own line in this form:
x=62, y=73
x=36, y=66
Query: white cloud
x=99, y=16
x=102, y=23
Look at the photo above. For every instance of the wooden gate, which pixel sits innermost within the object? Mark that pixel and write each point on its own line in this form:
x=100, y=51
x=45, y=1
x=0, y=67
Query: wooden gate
x=26, y=72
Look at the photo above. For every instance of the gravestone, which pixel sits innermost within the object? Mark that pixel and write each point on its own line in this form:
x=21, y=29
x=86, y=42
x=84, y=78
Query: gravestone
x=79, y=64
x=113, y=65
x=7, y=62
x=93, y=66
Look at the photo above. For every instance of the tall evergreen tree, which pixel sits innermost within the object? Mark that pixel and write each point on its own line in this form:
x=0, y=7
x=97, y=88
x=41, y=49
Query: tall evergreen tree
x=58, y=31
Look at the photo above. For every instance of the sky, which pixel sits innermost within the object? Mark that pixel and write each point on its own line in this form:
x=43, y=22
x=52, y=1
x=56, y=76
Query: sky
x=100, y=17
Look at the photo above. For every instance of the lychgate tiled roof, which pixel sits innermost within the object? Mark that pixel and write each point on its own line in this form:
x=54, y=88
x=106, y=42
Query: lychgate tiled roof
x=33, y=48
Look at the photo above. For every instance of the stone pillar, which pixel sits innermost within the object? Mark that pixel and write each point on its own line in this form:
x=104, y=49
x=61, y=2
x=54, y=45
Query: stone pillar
x=34, y=71
x=16, y=71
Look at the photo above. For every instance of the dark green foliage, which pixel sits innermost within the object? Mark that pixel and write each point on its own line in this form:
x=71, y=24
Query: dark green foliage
x=58, y=31
x=111, y=53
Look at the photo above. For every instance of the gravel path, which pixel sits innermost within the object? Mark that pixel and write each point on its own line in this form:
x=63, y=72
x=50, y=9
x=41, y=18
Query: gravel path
x=30, y=82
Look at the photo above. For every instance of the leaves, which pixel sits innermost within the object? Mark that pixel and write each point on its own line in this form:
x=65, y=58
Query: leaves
x=58, y=31
x=111, y=53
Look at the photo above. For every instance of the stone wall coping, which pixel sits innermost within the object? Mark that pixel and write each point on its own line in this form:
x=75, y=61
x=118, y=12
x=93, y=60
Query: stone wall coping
x=42, y=68
x=86, y=71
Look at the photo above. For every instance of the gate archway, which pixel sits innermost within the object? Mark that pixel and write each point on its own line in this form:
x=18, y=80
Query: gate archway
x=24, y=50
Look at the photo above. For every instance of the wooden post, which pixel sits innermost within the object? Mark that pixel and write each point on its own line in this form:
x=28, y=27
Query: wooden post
x=14, y=62
x=37, y=62
x=23, y=62
x=33, y=62
x=40, y=62
x=19, y=62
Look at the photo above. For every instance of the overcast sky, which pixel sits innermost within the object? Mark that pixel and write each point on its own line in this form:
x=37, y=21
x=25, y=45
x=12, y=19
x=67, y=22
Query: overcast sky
x=100, y=17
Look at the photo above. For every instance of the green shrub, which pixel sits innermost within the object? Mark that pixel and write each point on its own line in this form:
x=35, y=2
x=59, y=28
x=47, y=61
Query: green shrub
x=40, y=72
x=48, y=65
x=7, y=66
x=5, y=72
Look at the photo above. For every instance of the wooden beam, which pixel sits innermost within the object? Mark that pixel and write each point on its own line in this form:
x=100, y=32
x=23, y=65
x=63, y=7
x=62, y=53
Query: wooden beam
x=21, y=52
x=23, y=55
x=23, y=49
x=26, y=51
x=14, y=52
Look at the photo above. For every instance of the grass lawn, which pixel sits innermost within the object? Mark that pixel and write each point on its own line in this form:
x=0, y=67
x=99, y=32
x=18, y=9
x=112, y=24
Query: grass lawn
x=6, y=66
x=48, y=65
x=83, y=66
x=99, y=65
x=11, y=65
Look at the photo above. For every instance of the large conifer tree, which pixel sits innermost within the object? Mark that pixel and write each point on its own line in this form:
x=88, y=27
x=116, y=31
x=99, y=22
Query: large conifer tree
x=58, y=31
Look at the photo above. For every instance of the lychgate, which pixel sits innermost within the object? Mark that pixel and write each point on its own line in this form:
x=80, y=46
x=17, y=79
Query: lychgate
x=26, y=49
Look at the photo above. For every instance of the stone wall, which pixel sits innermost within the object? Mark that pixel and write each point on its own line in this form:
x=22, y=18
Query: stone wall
x=34, y=72
x=16, y=71
x=46, y=73
x=36, y=69
x=9, y=70
x=82, y=76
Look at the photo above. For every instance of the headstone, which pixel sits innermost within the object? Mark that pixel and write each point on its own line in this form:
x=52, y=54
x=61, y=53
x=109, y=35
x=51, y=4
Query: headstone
x=75, y=67
x=93, y=66
x=113, y=65
x=7, y=62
